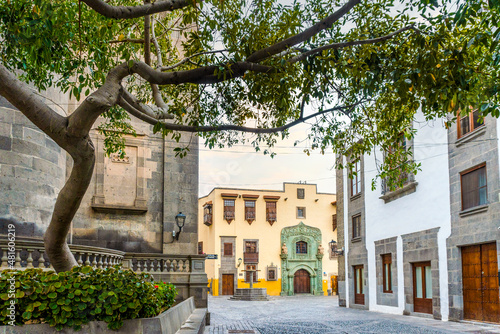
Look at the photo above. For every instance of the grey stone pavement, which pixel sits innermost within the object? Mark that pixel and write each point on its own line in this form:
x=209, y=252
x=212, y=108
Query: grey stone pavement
x=320, y=315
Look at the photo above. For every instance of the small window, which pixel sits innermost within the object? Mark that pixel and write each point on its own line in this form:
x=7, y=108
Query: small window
x=404, y=177
x=300, y=193
x=301, y=212
x=468, y=123
x=271, y=213
x=356, y=226
x=271, y=274
x=474, y=187
x=386, y=272
x=334, y=222
x=228, y=249
x=356, y=179
x=250, y=210
x=229, y=209
x=301, y=247
x=248, y=273
x=200, y=247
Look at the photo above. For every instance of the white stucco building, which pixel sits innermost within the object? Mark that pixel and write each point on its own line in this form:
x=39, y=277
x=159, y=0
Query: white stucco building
x=407, y=251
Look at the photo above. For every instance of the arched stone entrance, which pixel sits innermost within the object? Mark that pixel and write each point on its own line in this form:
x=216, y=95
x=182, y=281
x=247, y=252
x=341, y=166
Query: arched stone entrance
x=301, y=282
x=301, y=256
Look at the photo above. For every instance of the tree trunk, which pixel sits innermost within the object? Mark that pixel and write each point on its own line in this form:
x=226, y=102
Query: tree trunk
x=67, y=203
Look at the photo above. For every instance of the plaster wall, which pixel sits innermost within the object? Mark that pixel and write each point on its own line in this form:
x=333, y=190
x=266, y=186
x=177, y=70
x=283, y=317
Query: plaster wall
x=319, y=211
x=426, y=208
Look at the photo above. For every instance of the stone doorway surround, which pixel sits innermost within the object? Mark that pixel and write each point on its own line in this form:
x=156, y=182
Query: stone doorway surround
x=311, y=261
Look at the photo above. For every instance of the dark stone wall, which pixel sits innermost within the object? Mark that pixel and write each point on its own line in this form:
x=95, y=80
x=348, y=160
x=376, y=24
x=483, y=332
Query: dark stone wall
x=32, y=171
x=340, y=235
x=476, y=227
x=387, y=246
x=421, y=246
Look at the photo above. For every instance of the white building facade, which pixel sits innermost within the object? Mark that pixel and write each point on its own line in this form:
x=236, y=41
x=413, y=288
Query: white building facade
x=403, y=248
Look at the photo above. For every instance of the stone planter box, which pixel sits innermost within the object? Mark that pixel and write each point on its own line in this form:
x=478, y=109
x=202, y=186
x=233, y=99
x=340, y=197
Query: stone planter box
x=182, y=318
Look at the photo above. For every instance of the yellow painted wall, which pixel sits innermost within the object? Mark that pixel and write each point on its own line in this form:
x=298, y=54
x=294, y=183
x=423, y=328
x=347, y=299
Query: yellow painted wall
x=319, y=211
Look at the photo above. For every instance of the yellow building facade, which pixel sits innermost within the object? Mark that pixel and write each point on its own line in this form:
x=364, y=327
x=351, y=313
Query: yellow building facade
x=287, y=236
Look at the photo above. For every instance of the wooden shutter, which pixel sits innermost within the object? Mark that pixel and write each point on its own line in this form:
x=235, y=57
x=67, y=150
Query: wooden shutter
x=228, y=249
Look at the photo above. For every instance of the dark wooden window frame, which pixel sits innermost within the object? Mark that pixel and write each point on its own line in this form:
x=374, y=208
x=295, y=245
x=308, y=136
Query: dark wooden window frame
x=301, y=247
x=271, y=212
x=200, y=247
x=207, y=214
x=250, y=211
x=301, y=193
x=228, y=249
x=468, y=171
x=387, y=274
x=356, y=179
x=356, y=226
x=470, y=122
x=229, y=210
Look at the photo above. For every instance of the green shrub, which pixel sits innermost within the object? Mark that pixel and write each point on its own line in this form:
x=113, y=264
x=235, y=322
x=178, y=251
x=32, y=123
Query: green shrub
x=81, y=295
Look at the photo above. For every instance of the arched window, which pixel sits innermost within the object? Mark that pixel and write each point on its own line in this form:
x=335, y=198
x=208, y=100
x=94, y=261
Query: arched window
x=301, y=247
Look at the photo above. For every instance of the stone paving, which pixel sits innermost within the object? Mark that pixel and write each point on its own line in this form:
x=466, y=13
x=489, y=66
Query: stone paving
x=320, y=315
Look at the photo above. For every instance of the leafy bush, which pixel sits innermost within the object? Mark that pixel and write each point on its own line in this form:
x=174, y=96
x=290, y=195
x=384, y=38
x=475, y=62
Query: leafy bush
x=81, y=295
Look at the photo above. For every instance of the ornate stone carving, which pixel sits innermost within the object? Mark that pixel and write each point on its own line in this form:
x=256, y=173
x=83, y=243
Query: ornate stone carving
x=310, y=261
x=115, y=157
x=284, y=249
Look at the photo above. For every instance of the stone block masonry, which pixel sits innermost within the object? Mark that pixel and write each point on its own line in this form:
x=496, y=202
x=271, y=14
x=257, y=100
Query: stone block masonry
x=32, y=169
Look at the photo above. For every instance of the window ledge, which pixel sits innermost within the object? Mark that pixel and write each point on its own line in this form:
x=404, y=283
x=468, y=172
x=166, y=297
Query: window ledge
x=357, y=239
x=470, y=136
x=119, y=209
x=358, y=195
x=474, y=210
x=398, y=193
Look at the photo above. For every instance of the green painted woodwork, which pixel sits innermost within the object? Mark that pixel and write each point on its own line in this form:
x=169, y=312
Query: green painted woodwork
x=291, y=261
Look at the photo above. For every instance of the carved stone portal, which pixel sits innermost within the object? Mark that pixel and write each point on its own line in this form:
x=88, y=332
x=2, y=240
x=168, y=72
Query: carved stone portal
x=310, y=260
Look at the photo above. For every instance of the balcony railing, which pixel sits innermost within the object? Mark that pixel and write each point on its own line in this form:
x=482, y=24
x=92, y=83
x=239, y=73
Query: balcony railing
x=251, y=257
x=228, y=215
x=30, y=253
x=271, y=216
x=389, y=187
x=250, y=215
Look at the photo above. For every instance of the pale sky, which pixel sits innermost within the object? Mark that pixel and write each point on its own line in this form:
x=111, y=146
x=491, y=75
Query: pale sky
x=242, y=167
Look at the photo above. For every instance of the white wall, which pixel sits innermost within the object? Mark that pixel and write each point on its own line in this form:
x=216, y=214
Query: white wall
x=427, y=208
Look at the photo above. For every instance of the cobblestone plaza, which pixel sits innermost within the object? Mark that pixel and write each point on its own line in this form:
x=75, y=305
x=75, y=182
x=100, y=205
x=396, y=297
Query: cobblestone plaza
x=320, y=315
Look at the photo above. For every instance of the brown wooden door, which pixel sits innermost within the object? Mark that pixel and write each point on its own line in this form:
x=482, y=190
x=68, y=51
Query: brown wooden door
x=227, y=284
x=422, y=287
x=359, y=288
x=301, y=282
x=480, y=282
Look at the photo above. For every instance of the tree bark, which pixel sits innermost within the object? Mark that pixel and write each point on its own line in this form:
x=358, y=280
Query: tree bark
x=67, y=203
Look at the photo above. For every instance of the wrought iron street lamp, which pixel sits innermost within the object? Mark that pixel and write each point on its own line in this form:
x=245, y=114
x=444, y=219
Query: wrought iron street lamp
x=180, y=219
x=334, y=248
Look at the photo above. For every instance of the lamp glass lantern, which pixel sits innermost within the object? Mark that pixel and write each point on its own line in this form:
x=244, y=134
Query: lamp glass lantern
x=180, y=219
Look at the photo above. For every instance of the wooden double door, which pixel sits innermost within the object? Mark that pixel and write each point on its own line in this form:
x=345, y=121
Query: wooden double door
x=480, y=282
x=301, y=281
x=227, y=284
